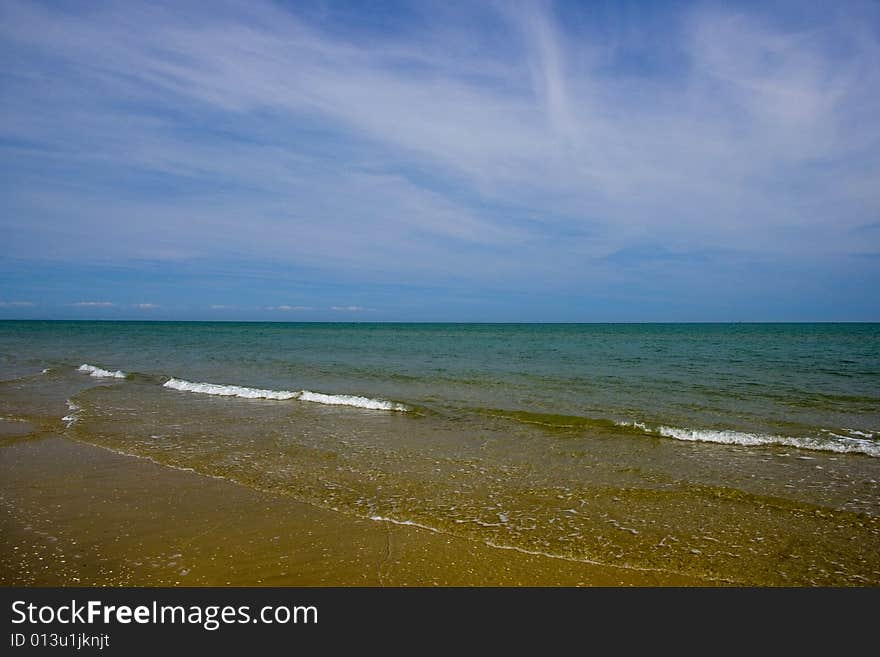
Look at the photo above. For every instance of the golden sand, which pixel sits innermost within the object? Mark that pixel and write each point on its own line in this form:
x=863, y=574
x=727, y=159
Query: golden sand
x=74, y=514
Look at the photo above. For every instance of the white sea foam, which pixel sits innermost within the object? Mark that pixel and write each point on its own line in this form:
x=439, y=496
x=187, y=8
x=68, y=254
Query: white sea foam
x=229, y=391
x=283, y=395
x=351, y=400
x=71, y=417
x=637, y=425
x=98, y=372
x=408, y=523
x=838, y=444
x=856, y=432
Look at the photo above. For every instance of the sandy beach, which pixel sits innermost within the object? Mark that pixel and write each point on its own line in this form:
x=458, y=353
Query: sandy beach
x=416, y=294
x=74, y=514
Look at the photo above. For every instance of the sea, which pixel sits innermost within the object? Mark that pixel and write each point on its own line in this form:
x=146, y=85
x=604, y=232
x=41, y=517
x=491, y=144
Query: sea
x=739, y=453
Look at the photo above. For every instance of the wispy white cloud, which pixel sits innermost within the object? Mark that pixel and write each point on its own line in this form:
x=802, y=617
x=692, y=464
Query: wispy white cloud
x=287, y=308
x=146, y=306
x=94, y=304
x=516, y=150
x=349, y=309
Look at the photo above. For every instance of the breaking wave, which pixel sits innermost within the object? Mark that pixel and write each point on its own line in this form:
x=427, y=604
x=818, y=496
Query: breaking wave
x=839, y=444
x=283, y=395
x=229, y=391
x=351, y=400
x=91, y=370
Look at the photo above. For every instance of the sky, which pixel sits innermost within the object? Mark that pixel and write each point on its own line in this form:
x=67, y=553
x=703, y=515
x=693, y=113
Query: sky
x=440, y=161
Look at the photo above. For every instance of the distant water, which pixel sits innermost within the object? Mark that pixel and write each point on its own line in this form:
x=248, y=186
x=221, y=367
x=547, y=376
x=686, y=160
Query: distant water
x=656, y=446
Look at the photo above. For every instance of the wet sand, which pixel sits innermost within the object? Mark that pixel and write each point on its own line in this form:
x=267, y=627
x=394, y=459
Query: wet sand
x=72, y=514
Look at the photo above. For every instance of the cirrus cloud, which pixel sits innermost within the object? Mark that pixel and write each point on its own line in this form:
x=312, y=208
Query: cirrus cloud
x=484, y=150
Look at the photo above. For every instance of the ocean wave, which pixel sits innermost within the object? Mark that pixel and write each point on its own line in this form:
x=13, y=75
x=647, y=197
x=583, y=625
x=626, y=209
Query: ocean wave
x=229, y=391
x=102, y=373
x=283, y=395
x=351, y=400
x=839, y=444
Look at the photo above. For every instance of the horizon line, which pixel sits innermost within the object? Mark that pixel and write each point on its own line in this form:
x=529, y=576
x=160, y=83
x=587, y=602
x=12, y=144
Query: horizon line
x=270, y=321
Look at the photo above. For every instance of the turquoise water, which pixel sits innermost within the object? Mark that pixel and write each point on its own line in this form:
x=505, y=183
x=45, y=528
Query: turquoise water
x=788, y=379
x=591, y=442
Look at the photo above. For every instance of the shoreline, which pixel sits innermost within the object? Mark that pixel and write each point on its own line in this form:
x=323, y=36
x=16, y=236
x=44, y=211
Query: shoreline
x=102, y=518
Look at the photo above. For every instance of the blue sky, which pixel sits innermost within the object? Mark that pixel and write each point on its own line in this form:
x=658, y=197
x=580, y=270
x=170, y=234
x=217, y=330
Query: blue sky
x=499, y=161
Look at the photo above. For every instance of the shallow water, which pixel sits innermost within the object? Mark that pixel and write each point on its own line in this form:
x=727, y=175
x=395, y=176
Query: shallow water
x=742, y=453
